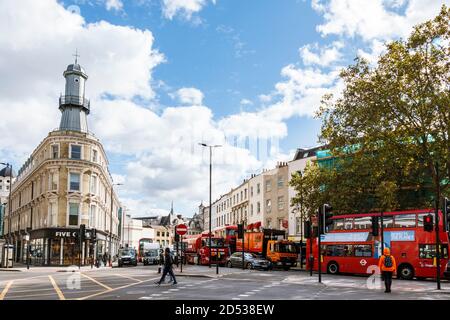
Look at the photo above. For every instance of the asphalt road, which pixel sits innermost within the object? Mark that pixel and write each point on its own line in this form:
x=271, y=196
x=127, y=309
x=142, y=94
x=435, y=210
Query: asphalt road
x=137, y=283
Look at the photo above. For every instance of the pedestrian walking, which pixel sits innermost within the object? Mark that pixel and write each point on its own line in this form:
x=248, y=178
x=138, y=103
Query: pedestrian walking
x=168, y=264
x=161, y=260
x=387, y=266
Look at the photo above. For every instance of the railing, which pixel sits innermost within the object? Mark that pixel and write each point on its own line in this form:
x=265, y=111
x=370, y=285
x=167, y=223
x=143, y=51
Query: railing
x=75, y=100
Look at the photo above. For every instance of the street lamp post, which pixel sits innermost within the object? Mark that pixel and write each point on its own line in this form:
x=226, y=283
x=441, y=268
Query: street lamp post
x=110, y=222
x=9, y=211
x=210, y=192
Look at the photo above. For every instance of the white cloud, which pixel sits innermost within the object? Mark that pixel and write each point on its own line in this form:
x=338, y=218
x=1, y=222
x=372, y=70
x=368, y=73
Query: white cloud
x=185, y=8
x=377, y=48
x=114, y=5
x=326, y=55
x=189, y=96
x=375, y=19
x=298, y=95
x=246, y=102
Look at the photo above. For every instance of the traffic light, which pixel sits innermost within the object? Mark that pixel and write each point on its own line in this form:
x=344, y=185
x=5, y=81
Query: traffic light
x=307, y=229
x=240, y=230
x=447, y=213
x=177, y=237
x=428, y=223
x=375, y=226
x=325, y=216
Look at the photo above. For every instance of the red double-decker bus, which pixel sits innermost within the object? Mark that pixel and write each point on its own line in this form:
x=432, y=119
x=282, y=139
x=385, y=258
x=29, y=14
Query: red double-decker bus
x=350, y=247
x=229, y=234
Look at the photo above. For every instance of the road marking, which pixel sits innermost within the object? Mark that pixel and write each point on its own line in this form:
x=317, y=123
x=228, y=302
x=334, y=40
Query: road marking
x=127, y=277
x=145, y=298
x=97, y=282
x=5, y=290
x=118, y=288
x=58, y=291
x=256, y=290
x=243, y=295
x=174, y=289
x=38, y=296
x=157, y=294
x=235, y=298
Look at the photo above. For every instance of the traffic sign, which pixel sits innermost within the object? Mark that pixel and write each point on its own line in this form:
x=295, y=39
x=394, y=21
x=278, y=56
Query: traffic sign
x=181, y=229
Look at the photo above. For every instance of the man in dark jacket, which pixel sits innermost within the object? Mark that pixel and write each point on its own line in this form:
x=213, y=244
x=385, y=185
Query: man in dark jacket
x=168, y=263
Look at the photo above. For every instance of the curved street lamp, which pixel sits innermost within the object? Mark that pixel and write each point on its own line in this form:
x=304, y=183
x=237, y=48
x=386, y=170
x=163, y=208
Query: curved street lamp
x=210, y=188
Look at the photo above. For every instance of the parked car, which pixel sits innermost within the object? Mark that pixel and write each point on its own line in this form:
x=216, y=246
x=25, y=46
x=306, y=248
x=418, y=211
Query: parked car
x=127, y=256
x=151, y=257
x=251, y=261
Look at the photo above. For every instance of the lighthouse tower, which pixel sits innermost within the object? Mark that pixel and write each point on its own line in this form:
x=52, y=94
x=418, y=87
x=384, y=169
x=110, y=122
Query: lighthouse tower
x=73, y=105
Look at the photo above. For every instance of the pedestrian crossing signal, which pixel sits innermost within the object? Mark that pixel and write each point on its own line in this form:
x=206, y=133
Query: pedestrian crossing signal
x=428, y=223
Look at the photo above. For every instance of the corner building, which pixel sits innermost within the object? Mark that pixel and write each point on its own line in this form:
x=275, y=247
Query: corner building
x=65, y=183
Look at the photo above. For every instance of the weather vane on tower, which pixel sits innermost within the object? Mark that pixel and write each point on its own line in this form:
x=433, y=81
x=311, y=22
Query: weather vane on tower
x=76, y=55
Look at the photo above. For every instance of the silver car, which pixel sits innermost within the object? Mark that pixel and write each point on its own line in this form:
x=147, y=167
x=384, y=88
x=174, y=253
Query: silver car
x=251, y=261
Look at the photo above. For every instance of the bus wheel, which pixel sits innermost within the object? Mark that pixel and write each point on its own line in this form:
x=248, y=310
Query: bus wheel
x=405, y=272
x=333, y=268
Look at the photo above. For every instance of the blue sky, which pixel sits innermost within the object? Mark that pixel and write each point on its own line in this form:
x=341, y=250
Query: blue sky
x=167, y=74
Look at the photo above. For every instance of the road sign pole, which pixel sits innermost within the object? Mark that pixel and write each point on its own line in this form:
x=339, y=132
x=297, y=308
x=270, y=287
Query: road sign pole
x=181, y=255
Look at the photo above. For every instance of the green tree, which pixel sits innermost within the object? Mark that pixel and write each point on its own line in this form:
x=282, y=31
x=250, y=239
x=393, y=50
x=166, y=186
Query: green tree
x=396, y=118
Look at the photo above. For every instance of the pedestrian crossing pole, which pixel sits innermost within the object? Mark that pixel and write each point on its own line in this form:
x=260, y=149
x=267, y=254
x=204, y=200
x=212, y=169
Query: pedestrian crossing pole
x=436, y=220
x=319, y=254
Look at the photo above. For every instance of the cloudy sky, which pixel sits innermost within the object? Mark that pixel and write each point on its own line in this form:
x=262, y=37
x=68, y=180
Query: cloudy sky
x=167, y=74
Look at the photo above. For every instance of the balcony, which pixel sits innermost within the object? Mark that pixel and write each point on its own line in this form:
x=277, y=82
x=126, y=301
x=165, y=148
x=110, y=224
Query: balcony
x=74, y=100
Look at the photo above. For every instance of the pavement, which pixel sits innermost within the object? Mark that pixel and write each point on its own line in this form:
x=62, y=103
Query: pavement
x=202, y=283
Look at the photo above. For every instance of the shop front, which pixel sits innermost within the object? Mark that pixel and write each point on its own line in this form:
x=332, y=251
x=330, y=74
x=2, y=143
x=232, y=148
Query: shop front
x=61, y=247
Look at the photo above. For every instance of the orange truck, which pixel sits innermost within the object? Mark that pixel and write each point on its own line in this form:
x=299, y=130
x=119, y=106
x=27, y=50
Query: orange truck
x=272, y=245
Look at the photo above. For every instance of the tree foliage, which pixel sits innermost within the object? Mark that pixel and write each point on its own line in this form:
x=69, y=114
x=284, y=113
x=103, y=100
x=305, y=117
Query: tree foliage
x=389, y=130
